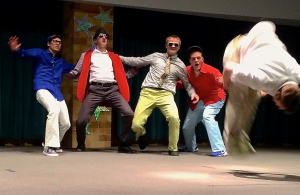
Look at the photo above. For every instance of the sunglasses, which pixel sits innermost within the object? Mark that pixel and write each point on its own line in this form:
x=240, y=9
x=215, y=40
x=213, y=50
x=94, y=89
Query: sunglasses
x=171, y=44
x=103, y=35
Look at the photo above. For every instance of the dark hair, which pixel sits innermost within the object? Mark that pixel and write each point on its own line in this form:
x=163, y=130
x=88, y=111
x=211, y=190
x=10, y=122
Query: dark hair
x=193, y=49
x=100, y=30
x=290, y=98
x=50, y=38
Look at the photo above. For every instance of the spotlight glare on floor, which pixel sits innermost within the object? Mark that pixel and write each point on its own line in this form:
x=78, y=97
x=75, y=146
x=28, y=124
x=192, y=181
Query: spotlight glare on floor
x=184, y=176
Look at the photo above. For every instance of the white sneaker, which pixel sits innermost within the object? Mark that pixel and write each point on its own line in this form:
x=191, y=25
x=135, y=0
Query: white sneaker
x=57, y=150
x=49, y=152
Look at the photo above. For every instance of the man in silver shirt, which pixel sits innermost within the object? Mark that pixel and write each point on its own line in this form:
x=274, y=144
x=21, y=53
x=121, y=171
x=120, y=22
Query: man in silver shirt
x=158, y=90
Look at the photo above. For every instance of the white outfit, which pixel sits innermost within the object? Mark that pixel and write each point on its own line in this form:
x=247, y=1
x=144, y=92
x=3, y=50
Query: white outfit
x=58, y=121
x=264, y=65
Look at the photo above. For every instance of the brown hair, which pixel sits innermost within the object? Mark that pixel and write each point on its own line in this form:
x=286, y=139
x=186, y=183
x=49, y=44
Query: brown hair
x=175, y=37
x=290, y=98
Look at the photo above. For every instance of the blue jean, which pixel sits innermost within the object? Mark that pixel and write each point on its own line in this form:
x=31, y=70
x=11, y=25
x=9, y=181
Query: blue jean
x=206, y=114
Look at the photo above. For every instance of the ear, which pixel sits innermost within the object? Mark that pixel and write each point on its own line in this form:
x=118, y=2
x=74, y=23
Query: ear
x=48, y=44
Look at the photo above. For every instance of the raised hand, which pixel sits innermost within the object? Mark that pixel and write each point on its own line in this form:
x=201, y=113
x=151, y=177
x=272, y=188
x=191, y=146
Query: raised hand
x=14, y=43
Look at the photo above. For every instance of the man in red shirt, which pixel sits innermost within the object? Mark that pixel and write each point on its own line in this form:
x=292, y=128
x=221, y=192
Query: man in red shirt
x=208, y=83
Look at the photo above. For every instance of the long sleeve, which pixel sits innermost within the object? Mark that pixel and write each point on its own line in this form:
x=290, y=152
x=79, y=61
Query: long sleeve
x=136, y=61
x=77, y=70
x=188, y=86
x=32, y=54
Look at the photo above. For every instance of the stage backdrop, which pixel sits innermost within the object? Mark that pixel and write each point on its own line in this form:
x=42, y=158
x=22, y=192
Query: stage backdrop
x=139, y=33
x=136, y=33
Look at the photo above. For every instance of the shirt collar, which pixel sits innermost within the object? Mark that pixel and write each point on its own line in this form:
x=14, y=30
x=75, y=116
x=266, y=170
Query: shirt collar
x=96, y=50
x=171, y=57
x=203, y=68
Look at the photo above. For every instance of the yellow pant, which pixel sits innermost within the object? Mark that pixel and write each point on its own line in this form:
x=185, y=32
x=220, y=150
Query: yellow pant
x=164, y=100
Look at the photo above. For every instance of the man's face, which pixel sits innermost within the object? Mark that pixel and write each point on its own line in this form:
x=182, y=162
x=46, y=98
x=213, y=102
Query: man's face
x=277, y=101
x=196, y=60
x=55, y=45
x=102, y=40
x=172, y=46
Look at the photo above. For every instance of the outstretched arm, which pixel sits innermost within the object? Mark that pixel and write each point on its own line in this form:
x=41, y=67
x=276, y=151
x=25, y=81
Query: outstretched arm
x=14, y=43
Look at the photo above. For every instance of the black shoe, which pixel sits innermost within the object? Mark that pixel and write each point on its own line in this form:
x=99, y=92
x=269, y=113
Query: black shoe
x=143, y=142
x=80, y=148
x=173, y=153
x=124, y=148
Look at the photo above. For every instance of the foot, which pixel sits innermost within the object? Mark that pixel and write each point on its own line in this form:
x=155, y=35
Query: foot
x=219, y=153
x=57, y=150
x=173, y=153
x=184, y=149
x=48, y=151
x=80, y=148
x=239, y=144
x=124, y=148
x=143, y=142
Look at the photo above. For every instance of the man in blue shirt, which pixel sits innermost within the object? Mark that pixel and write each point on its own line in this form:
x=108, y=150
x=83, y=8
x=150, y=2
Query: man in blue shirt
x=47, y=80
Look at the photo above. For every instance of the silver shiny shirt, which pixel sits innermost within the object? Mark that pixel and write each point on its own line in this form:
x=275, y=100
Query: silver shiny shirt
x=157, y=62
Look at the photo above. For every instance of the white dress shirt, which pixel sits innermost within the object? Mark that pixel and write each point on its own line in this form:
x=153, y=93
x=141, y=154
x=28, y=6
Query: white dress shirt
x=265, y=63
x=101, y=69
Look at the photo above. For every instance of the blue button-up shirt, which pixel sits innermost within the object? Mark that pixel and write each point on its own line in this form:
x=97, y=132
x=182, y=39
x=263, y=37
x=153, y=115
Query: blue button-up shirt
x=48, y=71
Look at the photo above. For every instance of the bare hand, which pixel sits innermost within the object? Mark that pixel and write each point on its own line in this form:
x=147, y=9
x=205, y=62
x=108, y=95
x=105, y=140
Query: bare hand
x=220, y=79
x=263, y=94
x=194, y=98
x=14, y=43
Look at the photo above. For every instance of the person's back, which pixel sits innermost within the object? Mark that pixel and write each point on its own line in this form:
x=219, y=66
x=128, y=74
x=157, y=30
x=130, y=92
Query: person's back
x=265, y=63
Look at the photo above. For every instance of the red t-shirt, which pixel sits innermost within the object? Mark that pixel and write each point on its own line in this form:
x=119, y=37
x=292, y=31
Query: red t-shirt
x=208, y=88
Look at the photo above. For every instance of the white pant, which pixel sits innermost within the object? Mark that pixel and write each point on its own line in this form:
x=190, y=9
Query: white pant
x=57, y=119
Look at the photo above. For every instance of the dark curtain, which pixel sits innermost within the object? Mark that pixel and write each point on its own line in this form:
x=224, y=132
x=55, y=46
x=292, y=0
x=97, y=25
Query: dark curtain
x=139, y=33
x=21, y=116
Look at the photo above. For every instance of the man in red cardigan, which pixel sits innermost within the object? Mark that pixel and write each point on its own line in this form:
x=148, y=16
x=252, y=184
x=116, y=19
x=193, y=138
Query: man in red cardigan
x=102, y=81
x=208, y=83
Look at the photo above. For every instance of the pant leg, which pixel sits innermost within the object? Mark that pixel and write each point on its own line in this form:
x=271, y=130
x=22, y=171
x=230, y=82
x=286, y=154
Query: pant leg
x=64, y=119
x=191, y=120
x=239, y=115
x=165, y=102
x=212, y=126
x=45, y=98
x=87, y=109
x=144, y=108
x=118, y=103
x=240, y=109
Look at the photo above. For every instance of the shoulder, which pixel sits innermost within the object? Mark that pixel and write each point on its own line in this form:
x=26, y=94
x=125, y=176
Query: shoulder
x=210, y=68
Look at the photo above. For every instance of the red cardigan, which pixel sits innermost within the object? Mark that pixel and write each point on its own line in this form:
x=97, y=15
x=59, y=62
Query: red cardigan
x=83, y=81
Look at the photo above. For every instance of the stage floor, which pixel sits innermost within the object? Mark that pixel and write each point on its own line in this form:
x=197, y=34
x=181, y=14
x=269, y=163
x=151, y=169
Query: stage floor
x=25, y=170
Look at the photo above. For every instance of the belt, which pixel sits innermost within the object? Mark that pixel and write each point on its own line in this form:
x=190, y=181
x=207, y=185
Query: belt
x=103, y=84
x=156, y=88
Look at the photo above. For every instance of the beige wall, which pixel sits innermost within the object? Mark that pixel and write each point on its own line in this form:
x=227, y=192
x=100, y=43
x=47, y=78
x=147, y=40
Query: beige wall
x=73, y=45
